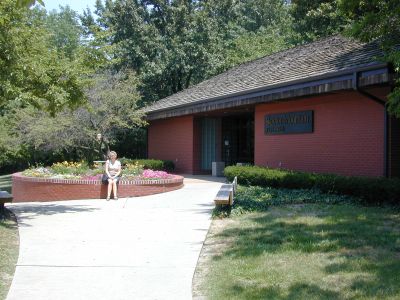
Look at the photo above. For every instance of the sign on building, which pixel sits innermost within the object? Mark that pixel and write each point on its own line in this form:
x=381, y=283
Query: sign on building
x=292, y=122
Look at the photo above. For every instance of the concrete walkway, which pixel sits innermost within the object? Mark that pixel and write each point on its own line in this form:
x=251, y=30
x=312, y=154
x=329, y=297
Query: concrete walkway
x=133, y=248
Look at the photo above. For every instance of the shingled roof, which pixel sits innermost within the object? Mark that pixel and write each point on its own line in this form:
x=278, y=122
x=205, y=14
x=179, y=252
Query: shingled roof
x=321, y=59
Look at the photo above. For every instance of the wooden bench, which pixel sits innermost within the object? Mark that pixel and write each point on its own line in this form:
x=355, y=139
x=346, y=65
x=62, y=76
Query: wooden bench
x=5, y=197
x=226, y=193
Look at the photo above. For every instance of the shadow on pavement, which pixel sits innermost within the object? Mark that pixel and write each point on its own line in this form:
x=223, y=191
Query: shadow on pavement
x=32, y=211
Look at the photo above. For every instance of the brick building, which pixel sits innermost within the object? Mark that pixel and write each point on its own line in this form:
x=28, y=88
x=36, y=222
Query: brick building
x=319, y=107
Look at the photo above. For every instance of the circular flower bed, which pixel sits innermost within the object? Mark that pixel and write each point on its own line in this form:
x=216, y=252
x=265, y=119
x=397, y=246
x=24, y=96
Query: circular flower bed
x=81, y=170
x=76, y=180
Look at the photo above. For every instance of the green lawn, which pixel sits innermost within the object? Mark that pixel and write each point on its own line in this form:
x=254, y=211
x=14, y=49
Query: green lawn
x=302, y=251
x=9, y=243
x=5, y=183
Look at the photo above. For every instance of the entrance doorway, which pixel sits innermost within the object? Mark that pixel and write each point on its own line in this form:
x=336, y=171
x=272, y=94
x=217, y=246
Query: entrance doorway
x=228, y=138
x=238, y=139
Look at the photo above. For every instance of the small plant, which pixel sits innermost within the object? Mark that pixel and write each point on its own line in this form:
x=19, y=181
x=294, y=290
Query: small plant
x=37, y=172
x=72, y=168
x=133, y=169
x=97, y=169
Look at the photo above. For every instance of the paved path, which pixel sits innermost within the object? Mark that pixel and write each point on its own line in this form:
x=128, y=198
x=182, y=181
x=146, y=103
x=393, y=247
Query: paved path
x=133, y=248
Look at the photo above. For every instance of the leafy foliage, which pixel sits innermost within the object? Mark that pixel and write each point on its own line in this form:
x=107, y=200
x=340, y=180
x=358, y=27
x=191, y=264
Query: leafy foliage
x=65, y=167
x=258, y=199
x=316, y=19
x=55, y=95
x=173, y=45
x=153, y=164
x=252, y=45
x=82, y=170
x=133, y=169
x=110, y=110
x=9, y=245
x=33, y=72
x=65, y=31
x=370, y=190
x=28, y=3
x=378, y=20
x=66, y=65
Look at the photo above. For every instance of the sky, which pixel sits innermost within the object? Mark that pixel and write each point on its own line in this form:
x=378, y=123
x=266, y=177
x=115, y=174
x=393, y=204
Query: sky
x=77, y=5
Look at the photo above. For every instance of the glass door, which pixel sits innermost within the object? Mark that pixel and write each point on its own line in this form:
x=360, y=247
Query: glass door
x=208, y=142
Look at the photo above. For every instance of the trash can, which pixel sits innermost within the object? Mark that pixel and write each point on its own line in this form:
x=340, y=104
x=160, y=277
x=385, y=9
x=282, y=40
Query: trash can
x=218, y=168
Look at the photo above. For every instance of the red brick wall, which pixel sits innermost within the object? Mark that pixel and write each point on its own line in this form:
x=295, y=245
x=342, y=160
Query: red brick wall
x=173, y=139
x=196, y=146
x=348, y=136
x=26, y=190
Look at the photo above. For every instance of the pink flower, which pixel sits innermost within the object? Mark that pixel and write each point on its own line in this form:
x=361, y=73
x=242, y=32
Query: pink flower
x=155, y=174
x=94, y=177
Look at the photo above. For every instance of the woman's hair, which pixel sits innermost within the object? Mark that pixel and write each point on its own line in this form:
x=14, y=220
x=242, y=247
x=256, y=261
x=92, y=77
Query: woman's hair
x=112, y=153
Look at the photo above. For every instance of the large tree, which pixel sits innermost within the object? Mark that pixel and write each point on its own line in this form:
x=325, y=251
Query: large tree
x=110, y=111
x=55, y=92
x=65, y=30
x=32, y=70
x=315, y=19
x=169, y=44
x=378, y=20
x=174, y=44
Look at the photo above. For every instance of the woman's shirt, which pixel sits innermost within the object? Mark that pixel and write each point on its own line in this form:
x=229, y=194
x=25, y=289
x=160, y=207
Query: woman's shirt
x=113, y=168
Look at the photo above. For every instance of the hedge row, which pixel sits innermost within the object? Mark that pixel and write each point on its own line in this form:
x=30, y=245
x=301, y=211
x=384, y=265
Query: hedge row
x=377, y=190
x=153, y=164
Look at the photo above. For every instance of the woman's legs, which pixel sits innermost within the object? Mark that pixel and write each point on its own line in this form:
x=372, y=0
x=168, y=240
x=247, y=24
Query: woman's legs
x=112, y=185
x=109, y=188
x=115, y=188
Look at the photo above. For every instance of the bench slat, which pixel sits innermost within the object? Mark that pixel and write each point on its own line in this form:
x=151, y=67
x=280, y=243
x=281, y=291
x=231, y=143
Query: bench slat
x=227, y=187
x=224, y=195
x=224, y=201
x=5, y=197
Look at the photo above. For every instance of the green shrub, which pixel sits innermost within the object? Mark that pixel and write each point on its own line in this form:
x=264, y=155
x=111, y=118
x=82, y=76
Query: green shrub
x=377, y=190
x=258, y=199
x=153, y=164
x=168, y=165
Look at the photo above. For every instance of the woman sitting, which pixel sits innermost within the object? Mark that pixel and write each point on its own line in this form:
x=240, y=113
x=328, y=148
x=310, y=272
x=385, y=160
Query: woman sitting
x=113, y=170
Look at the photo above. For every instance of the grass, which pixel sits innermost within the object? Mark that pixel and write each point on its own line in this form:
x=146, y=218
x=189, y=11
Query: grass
x=5, y=183
x=9, y=243
x=255, y=198
x=301, y=250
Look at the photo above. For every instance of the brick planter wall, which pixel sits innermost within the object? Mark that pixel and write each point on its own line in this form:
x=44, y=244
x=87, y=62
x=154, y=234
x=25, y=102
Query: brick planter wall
x=27, y=189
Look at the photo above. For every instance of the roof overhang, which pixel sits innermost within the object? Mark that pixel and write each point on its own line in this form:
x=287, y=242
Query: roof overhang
x=343, y=80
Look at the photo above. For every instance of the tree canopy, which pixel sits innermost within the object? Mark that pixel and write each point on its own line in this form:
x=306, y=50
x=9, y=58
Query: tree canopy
x=174, y=44
x=62, y=68
x=378, y=20
x=110, y=110
x=32, y=70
